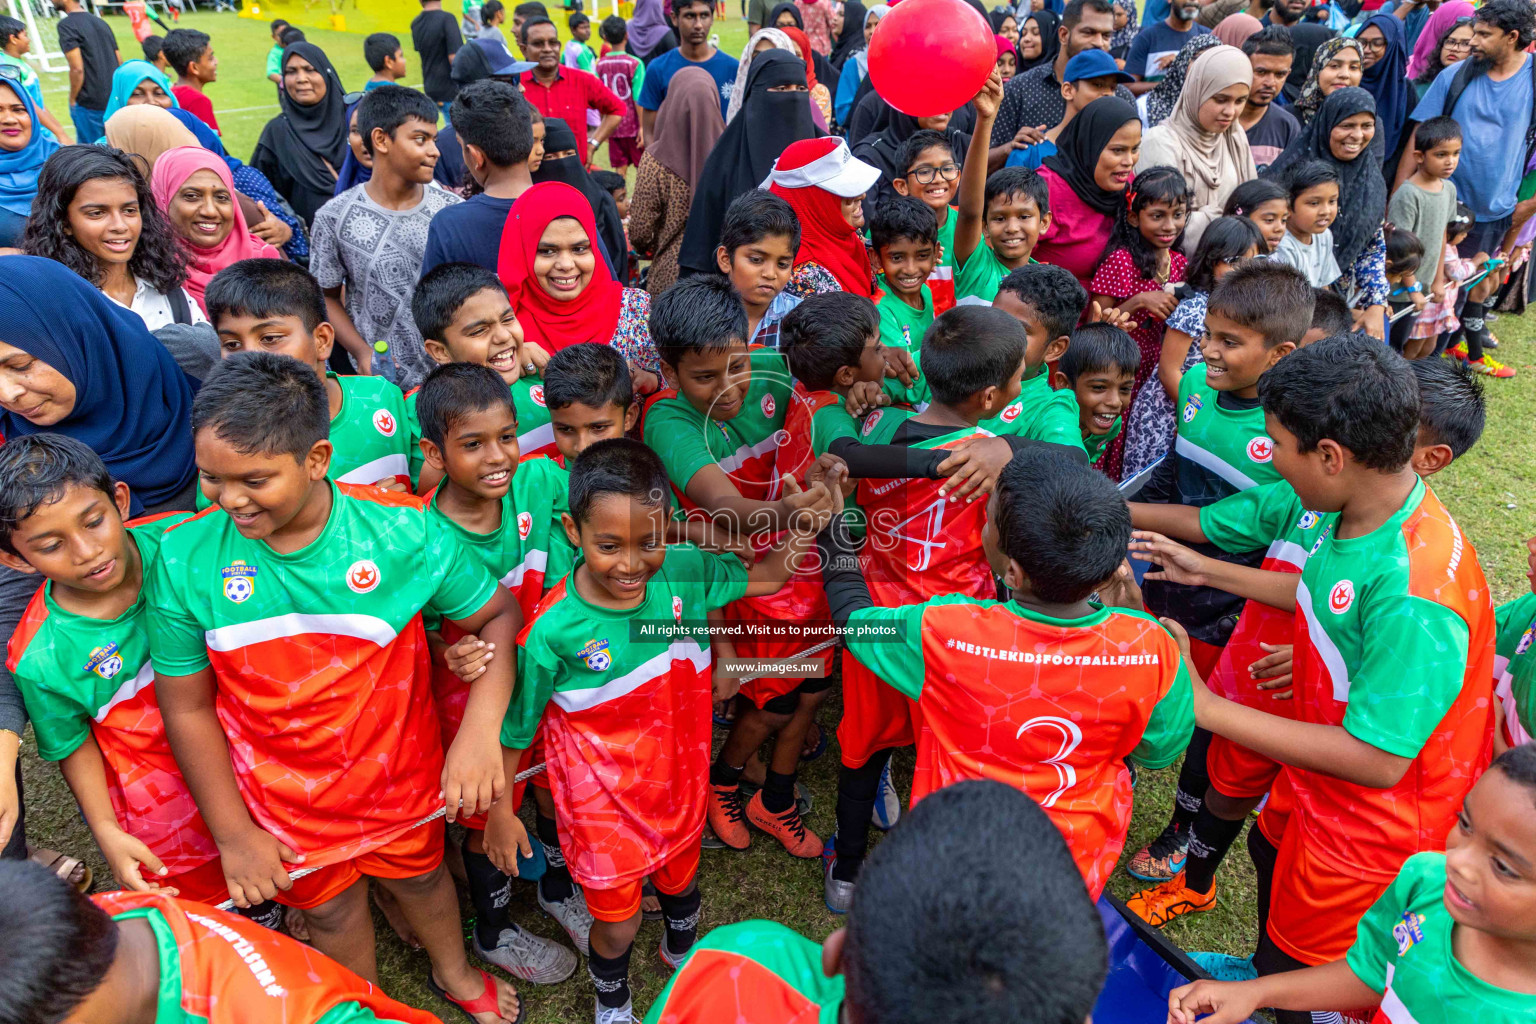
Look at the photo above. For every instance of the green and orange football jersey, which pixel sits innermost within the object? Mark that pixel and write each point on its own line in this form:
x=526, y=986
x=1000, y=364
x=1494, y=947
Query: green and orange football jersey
x=624, y=697
x=82, y=677
x=320, y=662
x=219, y=968
x=1049, y=706
x=753, y=972
x=1404, y=950
x=1040, y=412
x=1514, y=668
x=535, y=433
x=370, y=436
x=1394, y=642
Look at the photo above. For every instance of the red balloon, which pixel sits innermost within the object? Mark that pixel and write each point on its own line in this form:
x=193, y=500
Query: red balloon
x=931, y=56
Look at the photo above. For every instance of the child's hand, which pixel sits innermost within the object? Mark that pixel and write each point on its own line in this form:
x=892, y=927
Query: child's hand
x=1179, y=563
x=1121, y=591
x=863, y=397
x=1227, y=1002
x=473, y=777
x=530, y=352
x=1027, y=136
x=990, y=98
x=723, y=687
x=643, y=382
x=899, y=364
x=131, y=861
x=253, y=866
x=824, y=466
x=1113, y=316
x=468, y=658
x=811, y=510
x=1437, y=294
x=505, y=837
x=974, y=467
x=1273, y=671
x=1159, y=304
x=392, y=483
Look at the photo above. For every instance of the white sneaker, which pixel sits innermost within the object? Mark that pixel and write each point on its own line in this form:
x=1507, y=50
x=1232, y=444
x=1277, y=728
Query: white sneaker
x=615, y=1014
x=887, y=802
x=529, y=957
x=574, y=917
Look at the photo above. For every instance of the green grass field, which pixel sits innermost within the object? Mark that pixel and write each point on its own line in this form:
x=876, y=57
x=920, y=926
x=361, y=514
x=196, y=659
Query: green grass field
x=1487, y=490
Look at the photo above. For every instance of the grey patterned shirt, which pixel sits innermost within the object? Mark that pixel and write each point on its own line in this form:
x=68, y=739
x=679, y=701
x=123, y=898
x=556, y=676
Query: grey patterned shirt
x=377, y=254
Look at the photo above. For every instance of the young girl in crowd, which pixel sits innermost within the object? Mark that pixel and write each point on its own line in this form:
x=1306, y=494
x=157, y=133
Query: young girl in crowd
x=1438, y=319
x=1308, y=241
x=97, y=216
x=1404, y=251
x=1266, y=203
x=1228, y=241
x=1139, y=264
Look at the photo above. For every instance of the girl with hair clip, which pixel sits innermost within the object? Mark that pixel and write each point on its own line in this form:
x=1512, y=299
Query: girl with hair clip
x=1266, y=203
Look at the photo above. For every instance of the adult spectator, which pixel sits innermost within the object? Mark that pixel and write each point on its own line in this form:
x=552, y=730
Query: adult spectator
x=687, y=127
x=301, y=149
x=825, y=185
x=1269, y=126
x=97, y=216
x=1338, y=64
x=1237, y=29
x=90, y=49
x=649, y=34
x=853, y=73
x=14, y=43
x=1203, y=139
x=1086, y=181
x=1155, y=46
x=762, y=41
x=435, y=35
x=789, y=17
x=24, y=149
x=1032, y=100
x=850, y=39
x=816, y=20
x=1384, y=66
x=1307, y=35
x=563, y=92
x=560, y=163
x=1446, y=39
x=695, y=19
x=190, y=54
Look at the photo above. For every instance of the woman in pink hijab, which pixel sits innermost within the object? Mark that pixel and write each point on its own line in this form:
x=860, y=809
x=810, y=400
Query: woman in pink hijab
x=1235, y=29
x=1433, y=33
x=196, y=192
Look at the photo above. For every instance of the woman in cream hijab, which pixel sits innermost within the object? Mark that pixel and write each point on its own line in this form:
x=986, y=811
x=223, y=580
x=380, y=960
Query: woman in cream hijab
x=145, y=131
x=1202, y=137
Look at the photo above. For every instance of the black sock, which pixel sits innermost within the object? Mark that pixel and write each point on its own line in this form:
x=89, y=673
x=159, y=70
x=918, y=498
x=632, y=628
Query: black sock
x=555, y=885
x=1264, y=855
x=722, y=774
x=610, y=976
x=1472, y=328
x=778, y=792
x=268, y=914
x=490, y=891
x=1209, y=841
x=681, y=916
x=856, y=791
x=1193, y=781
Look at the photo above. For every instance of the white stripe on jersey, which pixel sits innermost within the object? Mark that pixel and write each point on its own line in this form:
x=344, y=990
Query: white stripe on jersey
x=1200, y=457
x=1505, y=691
x=379, y=469
x=680, y=650
x=279, y=627
x=1392, y=1006
x=1288, y=552
x=129, y=690
x=731, y=463
x=1326, y=648
x=534, y=562
x=539, y=437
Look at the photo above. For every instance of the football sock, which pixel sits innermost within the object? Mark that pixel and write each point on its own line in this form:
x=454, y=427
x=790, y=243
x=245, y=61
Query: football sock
x=1193, y=781
x=490, y=891
x=610, y=976
x=1264, y=855
x=722, y=774
x=1209, y=842
x=1472, y=328
x=856, y=791
x=556, y=885
x=681, y=916
x=268, y=914
x=779, y=792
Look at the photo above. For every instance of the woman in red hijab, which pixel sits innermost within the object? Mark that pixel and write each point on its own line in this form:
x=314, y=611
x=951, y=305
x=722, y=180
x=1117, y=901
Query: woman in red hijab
x=825, y=184
x=560, y=287
x=821, y=96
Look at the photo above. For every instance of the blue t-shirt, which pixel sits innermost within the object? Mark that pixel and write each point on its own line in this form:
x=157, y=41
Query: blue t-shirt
x=659, y=72
x=1154, y=42
x=1032, y=156
x=1493, y=117
x=472, y=234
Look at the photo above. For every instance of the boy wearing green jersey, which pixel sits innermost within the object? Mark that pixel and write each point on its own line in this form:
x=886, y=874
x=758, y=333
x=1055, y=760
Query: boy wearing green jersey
x=1450, y=940
x=1099, y=369
x=1049, y=302
x=1514, y=666
x=929, y=173
x=904, y=238
x=274, y=306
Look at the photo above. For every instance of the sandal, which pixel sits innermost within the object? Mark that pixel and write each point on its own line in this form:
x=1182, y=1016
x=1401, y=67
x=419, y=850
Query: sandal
x=817, y=750
x=648, y=891
x=485, y=1002
x=65, y=866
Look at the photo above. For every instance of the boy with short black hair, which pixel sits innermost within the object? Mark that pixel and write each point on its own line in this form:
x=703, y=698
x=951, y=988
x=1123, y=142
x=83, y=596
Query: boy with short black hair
x=1001, y=216
x=904, y=238
x=1046, y=691
x=154, y=51
x=274, y=306
x=758, y=242
x=1330, y=315
x=123, y=957
x=645, y=815
x=288, y=719
x=495, y=128
x=590, y=398
x=1099, y=368
x=1048, y=302
x=1008, y=883
x=190, y=53
x=275, y=54
x=928, y=160
x=386, y=59
x=382, y=223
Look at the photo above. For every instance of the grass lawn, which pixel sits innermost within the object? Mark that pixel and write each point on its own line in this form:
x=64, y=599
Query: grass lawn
x=1487, y=491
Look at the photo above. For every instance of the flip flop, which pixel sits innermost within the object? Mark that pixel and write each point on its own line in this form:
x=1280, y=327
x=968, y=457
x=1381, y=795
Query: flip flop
x=485, y=1002
x=63, y=865
x=819, y=749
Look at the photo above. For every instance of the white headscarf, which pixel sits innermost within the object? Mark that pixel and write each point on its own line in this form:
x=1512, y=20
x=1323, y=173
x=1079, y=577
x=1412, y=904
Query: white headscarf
x=779, y=40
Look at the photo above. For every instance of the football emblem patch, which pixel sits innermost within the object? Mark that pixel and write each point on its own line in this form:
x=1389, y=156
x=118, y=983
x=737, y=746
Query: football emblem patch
x=1525, y=639
x=1012, y=412
x=1307, y=521
x=537, y=394
x=105, y=661
x=239, y=581
x=1191, y=407
x=1261, y=449
x=869, y=424
x=767, y=405
x=677, y=609
x=524, y=524
x=363, y=576
x=1409, y=931
x=595, y=654
x=1341, y=597
x=384, y=422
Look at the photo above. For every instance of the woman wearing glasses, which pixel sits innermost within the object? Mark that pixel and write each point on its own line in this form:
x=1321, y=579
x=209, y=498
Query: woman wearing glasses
x=1384, y=60
x=1446, y=40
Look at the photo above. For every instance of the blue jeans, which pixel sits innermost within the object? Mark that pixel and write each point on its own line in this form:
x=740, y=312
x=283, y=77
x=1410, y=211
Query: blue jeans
x=90, y=125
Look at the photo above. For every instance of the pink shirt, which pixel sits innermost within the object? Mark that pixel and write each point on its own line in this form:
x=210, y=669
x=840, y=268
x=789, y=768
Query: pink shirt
x=197, y=104
x=1078, y=232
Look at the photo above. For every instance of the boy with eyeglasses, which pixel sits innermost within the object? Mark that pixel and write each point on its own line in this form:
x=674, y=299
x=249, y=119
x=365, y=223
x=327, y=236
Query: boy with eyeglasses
x=933, y=176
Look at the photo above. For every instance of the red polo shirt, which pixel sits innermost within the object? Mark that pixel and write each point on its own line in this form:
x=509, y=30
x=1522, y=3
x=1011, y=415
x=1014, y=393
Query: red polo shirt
x=569, y=97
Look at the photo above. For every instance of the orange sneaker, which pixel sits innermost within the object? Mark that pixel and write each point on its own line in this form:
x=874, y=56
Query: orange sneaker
x=726, y=820
x=788, y=827
x=1157, y=906
x=1459, y=351
x=1491, y=367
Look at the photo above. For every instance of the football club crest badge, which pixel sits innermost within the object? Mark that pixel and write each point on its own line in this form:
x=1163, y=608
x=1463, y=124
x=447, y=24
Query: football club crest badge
x=384, y=422
x=1408, y=932
x=1525, y=639
x=677, y=609
x=1261, y=449
x=1191, y=407
x=537, y=394
x=105, y=661
x=869, y=424
x=524, y=524
x=239, y=581
x=595, y=654
x=363, y=576
x=768, y=405
x=1341, y=597
x=1012, y=412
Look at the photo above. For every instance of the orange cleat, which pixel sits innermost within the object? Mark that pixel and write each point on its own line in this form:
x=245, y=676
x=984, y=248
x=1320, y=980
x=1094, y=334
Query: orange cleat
x=787, y=827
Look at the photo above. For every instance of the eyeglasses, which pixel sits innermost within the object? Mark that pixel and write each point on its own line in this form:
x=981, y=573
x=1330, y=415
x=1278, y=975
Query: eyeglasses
x=1456, y=45
x=1373, y=45
x=926, y=175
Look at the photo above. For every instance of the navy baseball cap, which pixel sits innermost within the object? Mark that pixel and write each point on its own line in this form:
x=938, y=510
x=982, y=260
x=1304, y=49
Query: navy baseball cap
x=1094, y=64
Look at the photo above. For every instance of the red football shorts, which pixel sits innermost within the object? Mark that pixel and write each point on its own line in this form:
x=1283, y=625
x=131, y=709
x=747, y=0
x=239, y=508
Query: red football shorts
x=622, y=903
x=1276, y=814
x=1238, y=772
x=203, y=884
x=410, y=855
x=1315, y=906
x=875, y=716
